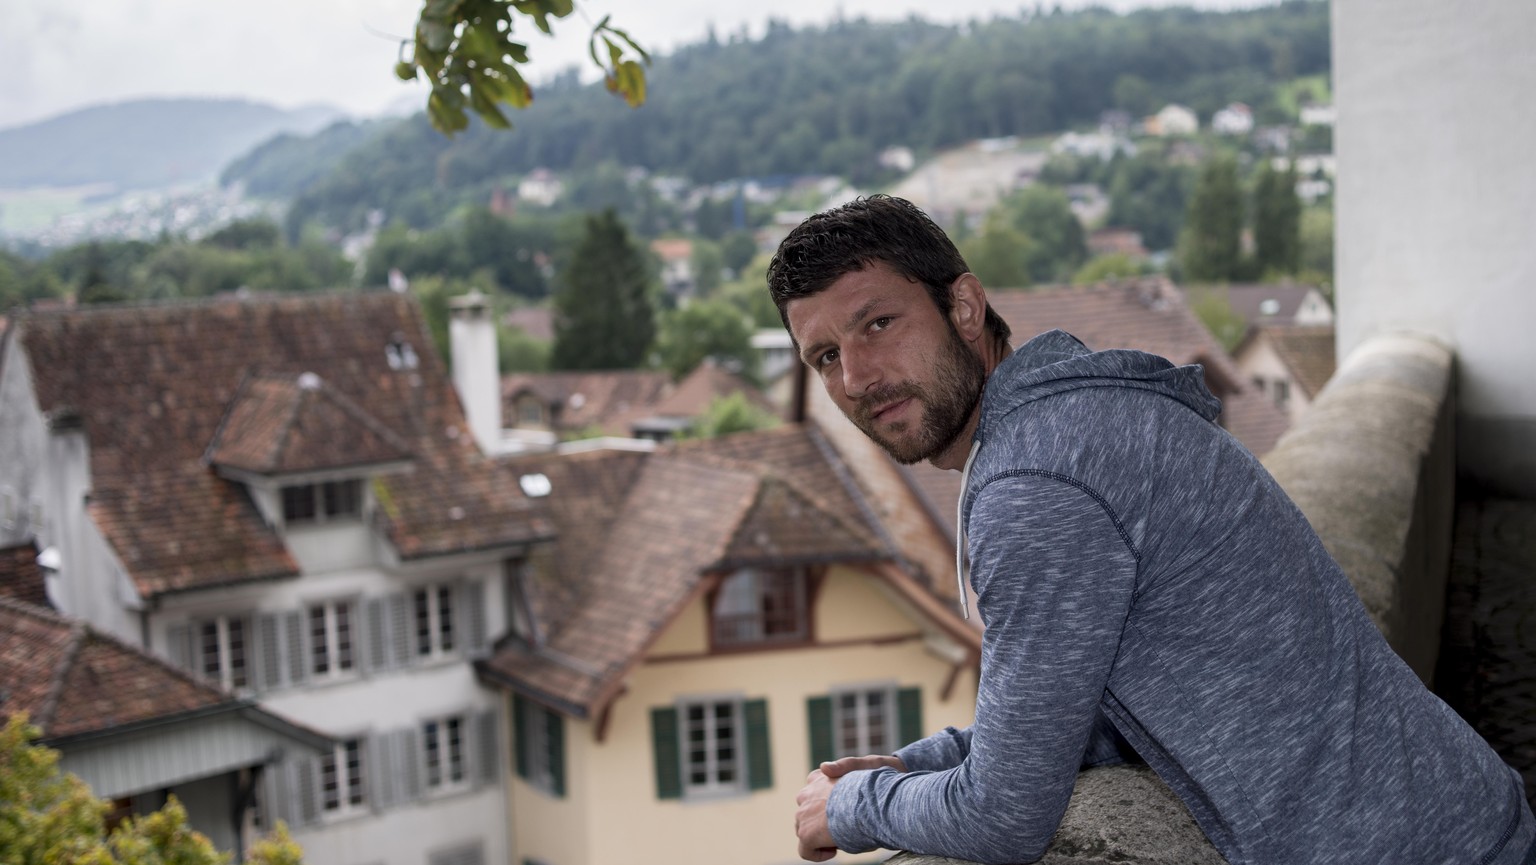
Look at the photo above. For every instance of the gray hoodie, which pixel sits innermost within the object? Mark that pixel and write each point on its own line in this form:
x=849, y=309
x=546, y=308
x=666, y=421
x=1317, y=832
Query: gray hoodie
x=1132, y=561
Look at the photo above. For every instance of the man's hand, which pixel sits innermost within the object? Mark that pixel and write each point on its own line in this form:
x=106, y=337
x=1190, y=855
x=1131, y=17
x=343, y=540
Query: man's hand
x=816, y=844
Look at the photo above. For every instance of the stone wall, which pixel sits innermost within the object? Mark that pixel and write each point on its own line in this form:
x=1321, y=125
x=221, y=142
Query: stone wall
x=1372, y=467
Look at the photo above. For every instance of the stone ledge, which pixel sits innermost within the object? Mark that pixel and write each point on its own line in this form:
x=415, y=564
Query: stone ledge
x=1118, y=814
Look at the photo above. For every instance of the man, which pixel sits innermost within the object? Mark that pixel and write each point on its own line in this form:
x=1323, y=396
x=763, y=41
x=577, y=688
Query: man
x=1135, y=569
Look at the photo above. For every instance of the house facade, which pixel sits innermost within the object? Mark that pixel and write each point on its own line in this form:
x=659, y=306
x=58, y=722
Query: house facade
x=1288, y=364
x=282, y=497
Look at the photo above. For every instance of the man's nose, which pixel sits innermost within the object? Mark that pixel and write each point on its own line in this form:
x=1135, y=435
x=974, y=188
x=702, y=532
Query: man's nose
x=860, y=374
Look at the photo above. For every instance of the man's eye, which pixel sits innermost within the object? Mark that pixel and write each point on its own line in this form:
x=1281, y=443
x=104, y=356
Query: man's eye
x=880, y=323
x=827, y=358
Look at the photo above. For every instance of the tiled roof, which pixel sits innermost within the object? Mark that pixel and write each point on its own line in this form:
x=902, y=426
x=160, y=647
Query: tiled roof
x=21, y=577
x=583, y=400
x=71, y=679
x=151, y=385
x=1248, y=300
x=630, y=558
x=287, y=424
x=707, y=383
x=1308, y=352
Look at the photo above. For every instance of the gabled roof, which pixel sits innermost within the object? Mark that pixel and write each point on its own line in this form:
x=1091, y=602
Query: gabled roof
x=707, y=383
x=290, y=424
x=1261, y=304
x=152, y=384
x=630, y=559
x=1308, y=352
x=21, y=577
x=604, y=400
x=74, y=681
x=1148, y=314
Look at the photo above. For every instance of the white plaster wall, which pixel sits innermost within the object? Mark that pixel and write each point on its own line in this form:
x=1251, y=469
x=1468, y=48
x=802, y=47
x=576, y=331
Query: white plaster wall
x=1436, y=203
x=23, y=443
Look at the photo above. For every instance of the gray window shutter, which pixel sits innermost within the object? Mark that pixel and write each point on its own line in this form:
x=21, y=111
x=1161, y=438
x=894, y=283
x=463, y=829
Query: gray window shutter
x=664, y=746
x=178, y=646
x=378, y=769
x=410, y=765
x=308, y=770
x=909, y=715
x=759, y=755
x=488, y=753
x=374, y=621
x=269, y=652
x=472, y=616
x=520, y=736
x=400, y=629
x=274, y=802
x=295, y=641
x=818, y=719
x=554, y=735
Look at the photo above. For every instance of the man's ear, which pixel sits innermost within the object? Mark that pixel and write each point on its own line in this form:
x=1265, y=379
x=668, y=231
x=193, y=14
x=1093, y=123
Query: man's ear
x=968, y=307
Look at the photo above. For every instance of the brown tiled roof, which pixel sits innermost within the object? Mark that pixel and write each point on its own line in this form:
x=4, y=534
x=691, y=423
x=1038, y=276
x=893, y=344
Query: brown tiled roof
x=21, y=577
x=1308, y=352
x=151, y=385
x=707, y=383
x=287, y=424
x=1248, y=299
x=581, y=400
x=631, y=558
x=535, y=321
x=71, y=679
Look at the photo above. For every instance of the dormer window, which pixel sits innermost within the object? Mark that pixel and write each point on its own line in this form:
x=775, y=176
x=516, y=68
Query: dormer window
x=757, y=607
x=322, y=502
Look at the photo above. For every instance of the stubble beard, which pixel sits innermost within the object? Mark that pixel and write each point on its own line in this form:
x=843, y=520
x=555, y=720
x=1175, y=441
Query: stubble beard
x=947, y=402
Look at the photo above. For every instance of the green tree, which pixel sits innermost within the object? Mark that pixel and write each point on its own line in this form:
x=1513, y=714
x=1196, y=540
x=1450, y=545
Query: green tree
x=1116, y=265
x=1057, y=246
x=1276, y=221
x=94, y=285
x=1210, y=247
x=731, y=414
x=997, y=254
x=247, y=234
x=48, y=817
x=708, y=262
x=706, y=329
x=737, y=249
x=1212, y=306
x=603, y=313
x=1317, y=247
x=748, y=292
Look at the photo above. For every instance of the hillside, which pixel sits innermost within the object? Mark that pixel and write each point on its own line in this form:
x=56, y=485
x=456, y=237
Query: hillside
x=144, y=143
x=827, y=100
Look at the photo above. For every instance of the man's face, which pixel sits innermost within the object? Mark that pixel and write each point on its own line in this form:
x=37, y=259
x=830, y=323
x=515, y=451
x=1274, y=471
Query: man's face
x=890, y=361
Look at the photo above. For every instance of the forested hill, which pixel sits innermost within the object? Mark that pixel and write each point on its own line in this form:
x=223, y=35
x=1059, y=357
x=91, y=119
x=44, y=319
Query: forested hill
x=827, y=100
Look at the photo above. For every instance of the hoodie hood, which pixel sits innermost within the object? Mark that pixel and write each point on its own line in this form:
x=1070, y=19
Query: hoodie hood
x=1055, y=362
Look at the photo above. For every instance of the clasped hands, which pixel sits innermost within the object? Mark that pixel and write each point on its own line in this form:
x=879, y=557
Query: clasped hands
x=816, y=844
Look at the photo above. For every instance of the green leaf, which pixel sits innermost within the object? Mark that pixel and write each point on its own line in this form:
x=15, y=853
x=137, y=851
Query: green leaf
x=405, y=71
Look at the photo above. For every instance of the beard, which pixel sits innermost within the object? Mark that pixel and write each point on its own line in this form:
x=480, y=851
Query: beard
x=947, y=401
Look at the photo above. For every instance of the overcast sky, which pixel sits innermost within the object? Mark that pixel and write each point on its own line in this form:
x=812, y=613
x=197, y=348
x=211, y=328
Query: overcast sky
x=58, y=56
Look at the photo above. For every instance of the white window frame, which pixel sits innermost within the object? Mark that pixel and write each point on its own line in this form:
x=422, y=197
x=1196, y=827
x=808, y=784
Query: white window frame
x=857, y=718
x=437, y=736
x=442, y=637
x=223, y=648
x=711, y=763
x=347, y=780
x=743, y=597
x=330, y=639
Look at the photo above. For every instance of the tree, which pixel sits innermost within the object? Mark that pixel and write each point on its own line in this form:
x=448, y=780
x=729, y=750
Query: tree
x=731, y=414
x=1210, y=247
x=48, y=816
x=466, y=50
x=1214, y=309
x=1056, y=243
x=1276, y=221
x=603, y=313
x=997, y=254
x=706, y=329
x=1116, y=265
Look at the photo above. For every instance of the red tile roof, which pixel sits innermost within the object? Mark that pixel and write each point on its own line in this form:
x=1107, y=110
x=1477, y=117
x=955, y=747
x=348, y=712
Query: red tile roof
x=21, y=577
x=603, y=400
x=1308, y=352
x=286, y=424
x=151, y=385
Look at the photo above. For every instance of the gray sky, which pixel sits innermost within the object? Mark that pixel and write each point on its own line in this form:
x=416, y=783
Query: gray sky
x=59, y=56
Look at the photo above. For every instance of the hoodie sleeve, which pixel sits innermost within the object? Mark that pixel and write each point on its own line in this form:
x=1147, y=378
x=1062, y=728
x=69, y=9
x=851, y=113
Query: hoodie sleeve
x=1054, y=576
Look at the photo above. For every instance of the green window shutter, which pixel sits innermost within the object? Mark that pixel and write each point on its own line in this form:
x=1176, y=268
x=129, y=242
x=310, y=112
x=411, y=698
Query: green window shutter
x=818, y=716
x=554, y=726
x=669, y=772
x=909, y=715
x=520, y=735
x=759, y=756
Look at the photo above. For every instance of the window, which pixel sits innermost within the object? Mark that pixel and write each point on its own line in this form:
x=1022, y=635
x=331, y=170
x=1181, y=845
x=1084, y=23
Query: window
x=854, y=721
x=539, y=745
x=530, y=412
x=323, y=501
x=1282, y=392
x=433, y=609
x=1258, y=383
x=753, y=607
x=341, y=778
x=221, y=651
x=443, y=744
x=331, y=638
x=711, y=747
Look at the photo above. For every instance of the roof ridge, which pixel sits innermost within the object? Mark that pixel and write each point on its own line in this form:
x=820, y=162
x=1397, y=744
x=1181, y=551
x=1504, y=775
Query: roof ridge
x=361, y=415
x=78, y=631
x=102, y=310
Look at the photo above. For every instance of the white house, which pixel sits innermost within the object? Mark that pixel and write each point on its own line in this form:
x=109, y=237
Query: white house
x=1172, y=121
x=1234, y=119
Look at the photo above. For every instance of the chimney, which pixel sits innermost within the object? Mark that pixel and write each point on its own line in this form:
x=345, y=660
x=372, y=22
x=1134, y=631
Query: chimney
x=472, y=339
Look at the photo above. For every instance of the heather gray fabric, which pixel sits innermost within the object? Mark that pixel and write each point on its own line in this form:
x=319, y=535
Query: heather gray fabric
x=1132, y=561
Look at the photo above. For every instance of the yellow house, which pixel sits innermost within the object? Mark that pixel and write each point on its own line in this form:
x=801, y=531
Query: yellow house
x=715, y=619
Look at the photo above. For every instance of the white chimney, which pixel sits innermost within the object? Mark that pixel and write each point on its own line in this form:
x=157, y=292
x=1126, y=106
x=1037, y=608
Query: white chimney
x=472, y=341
